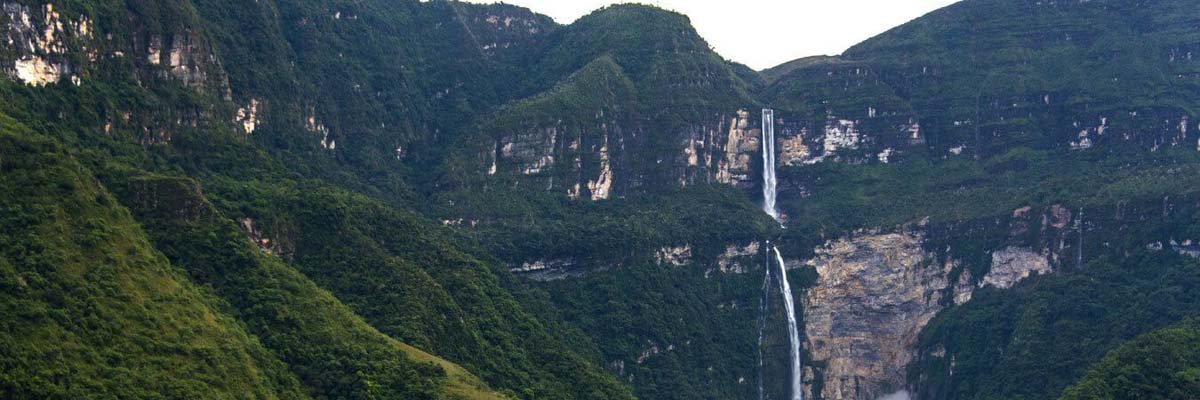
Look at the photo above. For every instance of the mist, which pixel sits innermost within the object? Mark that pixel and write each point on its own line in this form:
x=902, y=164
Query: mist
x=900, y=395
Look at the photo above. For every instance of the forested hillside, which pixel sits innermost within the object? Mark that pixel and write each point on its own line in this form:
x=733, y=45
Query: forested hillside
x=443, y=200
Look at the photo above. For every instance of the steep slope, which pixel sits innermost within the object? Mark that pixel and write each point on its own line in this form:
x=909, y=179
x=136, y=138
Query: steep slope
x=332, y=350
x=665, y=303
x=596, y=239
x=593, y=188
x=1041, y=337
x=253, y=135
x=925, y=221
x=981, y=77
x=578, y=123
x=412, y=283
x=976, y=146
x=666, y=114
x=1161, y=364
x=91, y=309
x=357, y=92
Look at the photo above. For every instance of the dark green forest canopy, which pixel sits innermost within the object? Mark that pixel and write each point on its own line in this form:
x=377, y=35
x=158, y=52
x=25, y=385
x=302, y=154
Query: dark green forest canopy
x=292, y=198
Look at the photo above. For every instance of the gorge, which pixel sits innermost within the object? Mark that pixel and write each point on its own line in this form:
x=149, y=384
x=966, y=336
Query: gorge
x=403, y=199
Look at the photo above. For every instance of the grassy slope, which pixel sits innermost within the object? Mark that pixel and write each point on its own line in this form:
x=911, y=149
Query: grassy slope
x=411, y=282
x=333, y=351
x=93, y=310
x=216, y=153
x=1033, y=341
x=1164, y=364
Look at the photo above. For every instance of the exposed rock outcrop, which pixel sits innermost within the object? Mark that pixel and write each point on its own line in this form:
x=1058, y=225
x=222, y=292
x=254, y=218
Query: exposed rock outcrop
x=189, y=59
x=256, y=235
x=549, y=270
x=593, y=161
x=793, y=151
x=674, y=256
x=735, y=258
x=247, y=116
x=874, y=294
x=742, y=143
x=601, y=187
x=1012, y=264
x=41, y=45
x=532, y=151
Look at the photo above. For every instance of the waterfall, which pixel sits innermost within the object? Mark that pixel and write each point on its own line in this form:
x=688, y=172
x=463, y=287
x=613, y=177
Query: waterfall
x=793, y=330
x=768, y=155
x=769, y=183
x=762, y=324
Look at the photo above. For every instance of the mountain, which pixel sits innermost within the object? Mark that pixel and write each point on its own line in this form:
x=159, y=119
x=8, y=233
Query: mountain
x=93, y=309
x=434, y=199
x=1168, y=355
x=188, y=114
x=983, y=77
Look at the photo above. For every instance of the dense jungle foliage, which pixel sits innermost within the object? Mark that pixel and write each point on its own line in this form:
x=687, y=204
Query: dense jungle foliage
x=352, y=243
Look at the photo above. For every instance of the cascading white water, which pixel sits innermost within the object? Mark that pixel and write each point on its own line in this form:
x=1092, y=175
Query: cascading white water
x=793, y=330
x=768, y=155
x=762, y=324
x=768, y=150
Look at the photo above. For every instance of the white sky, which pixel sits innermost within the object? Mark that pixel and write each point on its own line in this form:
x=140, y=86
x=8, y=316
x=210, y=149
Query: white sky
x=766, y=33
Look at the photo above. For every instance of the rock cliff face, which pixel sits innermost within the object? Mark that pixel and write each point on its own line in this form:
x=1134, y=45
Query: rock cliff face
x=874, y=294
x=45, y=45
x=40, y=43
x=594, y=161
x=742, y=143
x=61, y=44
x=736, y=259
x=725, y=150
x=877, y=290
x=1012, y=264
x=188, y=58
x=581, y=158
x=871, y=137
x=914, y=86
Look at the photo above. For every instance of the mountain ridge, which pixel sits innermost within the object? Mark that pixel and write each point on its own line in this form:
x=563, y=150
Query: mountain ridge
x=569, y=211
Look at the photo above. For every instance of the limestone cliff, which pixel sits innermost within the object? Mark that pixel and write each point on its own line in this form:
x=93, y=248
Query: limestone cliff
x=43, y=45
x=40, y=42
x=929, y=79
x=742, y=143
x=874, y=294
x=594, y=160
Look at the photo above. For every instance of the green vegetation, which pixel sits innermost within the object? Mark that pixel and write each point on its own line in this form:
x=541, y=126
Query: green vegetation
x=320, y=328
x=378, y=268
x=1033, y=341
x=93, y=310
x=846, y=197
x=334, y=352
x=681, y=332
x=412, y=283
x=994, y=75
x=1164, y=364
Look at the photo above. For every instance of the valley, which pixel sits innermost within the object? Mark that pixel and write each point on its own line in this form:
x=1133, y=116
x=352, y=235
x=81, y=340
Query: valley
x=318, y=199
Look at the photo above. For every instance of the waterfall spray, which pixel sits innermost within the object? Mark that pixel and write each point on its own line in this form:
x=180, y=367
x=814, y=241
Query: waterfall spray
x=793, y=330
x=768, y=155
x=769, y=184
